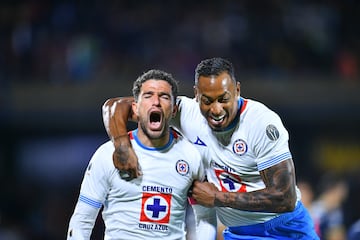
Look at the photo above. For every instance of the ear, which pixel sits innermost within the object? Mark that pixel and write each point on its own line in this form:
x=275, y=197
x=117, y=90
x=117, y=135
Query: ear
x=134, y=108
x=196, y=93
x=238, y=89
x=175, y=110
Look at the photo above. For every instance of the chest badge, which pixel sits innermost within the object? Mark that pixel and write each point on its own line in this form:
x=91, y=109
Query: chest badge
x=240, y=147
x=182, y=167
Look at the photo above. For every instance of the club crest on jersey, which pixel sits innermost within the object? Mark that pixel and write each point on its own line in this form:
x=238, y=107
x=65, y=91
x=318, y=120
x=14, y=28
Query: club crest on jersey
x=240, y=147
x=182, y=167
x=155, y=207
x=229, y=182
x=272, y=132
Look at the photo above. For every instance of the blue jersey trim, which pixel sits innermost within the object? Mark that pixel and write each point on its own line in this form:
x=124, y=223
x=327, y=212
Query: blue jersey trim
x=274, y=161
x=90, y=202
x=171, y=138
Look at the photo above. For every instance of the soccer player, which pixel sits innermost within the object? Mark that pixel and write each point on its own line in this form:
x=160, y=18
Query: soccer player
x=250, y=171
x=152, y=206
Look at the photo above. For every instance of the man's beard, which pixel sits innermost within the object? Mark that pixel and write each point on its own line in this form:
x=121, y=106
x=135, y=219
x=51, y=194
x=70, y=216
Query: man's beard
x=153, y=136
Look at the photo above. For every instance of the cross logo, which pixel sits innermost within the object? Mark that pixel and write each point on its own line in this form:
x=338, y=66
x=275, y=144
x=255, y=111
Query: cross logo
x=155, y=207
x=229, y=182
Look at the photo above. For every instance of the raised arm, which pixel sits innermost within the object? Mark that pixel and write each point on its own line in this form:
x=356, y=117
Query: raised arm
x=116, y=113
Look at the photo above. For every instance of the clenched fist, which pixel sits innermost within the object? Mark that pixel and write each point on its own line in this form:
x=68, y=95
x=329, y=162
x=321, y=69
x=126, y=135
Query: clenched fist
x=204, y=193
x=125, y=159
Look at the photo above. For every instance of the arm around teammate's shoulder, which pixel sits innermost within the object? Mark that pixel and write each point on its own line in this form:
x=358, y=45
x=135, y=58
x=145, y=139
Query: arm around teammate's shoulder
x=116, y=113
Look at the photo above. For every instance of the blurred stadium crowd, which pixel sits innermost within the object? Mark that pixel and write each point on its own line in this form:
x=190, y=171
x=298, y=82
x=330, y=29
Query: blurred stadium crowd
x=109, y=43
x=56, y=41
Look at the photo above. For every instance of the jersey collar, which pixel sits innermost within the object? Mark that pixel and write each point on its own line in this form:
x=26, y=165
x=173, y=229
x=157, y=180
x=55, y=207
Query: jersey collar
x=136, y=138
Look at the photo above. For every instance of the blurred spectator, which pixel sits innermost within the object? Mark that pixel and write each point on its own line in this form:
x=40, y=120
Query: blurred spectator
x=80, y=58
x=347, y=65
x=307, y=193
x=327, y=211
x=354, y=231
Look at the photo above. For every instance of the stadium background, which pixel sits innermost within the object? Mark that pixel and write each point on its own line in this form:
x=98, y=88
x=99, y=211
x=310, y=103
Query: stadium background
x=60, y=60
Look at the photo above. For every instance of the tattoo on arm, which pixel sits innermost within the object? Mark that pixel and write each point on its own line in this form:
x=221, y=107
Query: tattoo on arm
x=279, y=195
x=123, y=153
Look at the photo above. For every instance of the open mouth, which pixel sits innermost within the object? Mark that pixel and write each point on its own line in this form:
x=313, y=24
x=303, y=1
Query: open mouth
x=155, y=120
x=216, y=120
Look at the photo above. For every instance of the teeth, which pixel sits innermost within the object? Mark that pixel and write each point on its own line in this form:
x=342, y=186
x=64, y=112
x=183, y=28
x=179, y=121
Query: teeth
x=218, y=118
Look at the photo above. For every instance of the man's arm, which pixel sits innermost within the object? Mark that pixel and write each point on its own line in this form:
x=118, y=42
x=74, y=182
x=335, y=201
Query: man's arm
x=279, y=195
x=116, y=113
x=82, y=221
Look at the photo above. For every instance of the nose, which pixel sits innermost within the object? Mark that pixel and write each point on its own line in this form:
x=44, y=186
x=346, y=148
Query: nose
x=156, y=100
x=216, y=108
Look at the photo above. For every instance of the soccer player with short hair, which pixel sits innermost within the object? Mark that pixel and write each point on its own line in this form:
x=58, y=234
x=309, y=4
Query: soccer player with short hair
x=152, y=206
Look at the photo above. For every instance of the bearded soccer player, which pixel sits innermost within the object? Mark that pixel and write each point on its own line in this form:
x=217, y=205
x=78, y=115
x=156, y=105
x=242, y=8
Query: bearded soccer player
x=152, y=206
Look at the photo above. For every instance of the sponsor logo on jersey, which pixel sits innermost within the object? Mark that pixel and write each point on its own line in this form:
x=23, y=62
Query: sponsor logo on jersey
x=272, y=132
x=154, y=227
x=229, y=182
x=199, y=142
x=155, y=208
x=182, y=167
x=240, y=147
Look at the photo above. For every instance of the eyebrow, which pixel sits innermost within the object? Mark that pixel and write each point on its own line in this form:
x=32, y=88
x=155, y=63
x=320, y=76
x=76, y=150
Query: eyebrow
x=221, y=96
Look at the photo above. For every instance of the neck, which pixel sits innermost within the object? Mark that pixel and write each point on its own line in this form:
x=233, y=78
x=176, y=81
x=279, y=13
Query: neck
x=153, y=142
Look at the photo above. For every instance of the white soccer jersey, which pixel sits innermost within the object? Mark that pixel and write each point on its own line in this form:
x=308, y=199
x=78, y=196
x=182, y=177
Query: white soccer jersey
x=259, y=140
x=152, y=206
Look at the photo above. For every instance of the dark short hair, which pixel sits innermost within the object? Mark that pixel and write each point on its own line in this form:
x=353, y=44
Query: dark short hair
x=214, y=67
x=155, y=74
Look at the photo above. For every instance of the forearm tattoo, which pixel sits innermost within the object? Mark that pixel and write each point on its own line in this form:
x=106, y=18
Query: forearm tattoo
x=123, y=153
x=278, y=196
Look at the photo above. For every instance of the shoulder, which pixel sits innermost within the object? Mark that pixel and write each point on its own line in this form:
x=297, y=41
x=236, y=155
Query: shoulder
x=183, y=101
x=185, y=145
x=258, y=107
x=103, y=155
x=188, y=111
x=262, y=122
x=105, y=149
x=260, y=113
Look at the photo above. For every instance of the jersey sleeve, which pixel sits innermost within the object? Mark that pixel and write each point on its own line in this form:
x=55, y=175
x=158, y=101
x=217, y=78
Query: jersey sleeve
x=175, y=121
x=92, y=195
x=271, y=141
x=187, y=117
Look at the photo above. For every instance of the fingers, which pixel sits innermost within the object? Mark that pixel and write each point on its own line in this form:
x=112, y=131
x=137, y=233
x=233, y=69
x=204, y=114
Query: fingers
x=128, y=167
x=129, y=173
x=125, y=175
